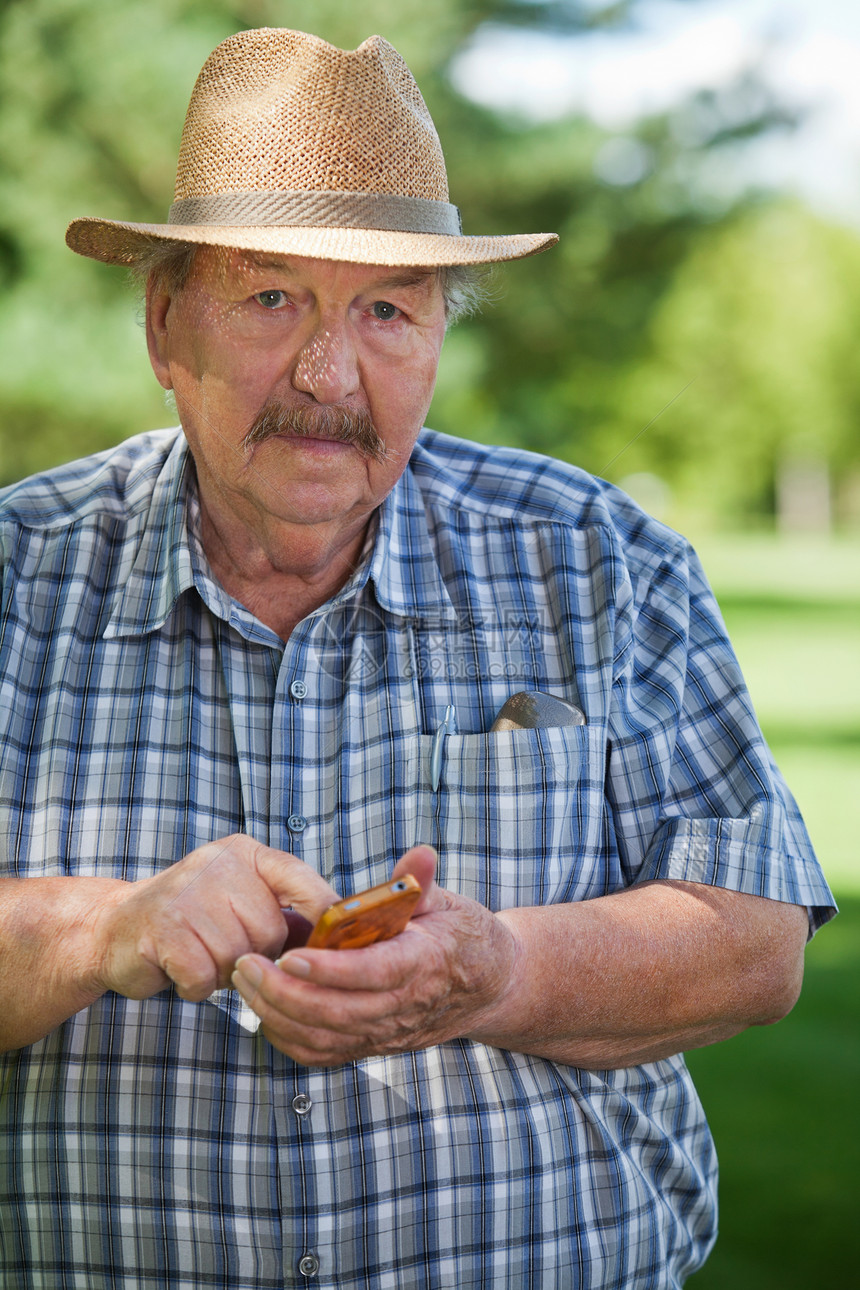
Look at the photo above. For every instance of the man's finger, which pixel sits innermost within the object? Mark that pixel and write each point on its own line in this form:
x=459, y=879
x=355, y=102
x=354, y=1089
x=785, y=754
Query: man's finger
x=294, y=883
x=339, y=1019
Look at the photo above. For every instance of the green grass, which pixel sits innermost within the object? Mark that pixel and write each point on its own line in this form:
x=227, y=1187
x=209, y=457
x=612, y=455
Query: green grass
x=793, y=612
x=782, y=1101
x=825, y=779
x=782, y=1104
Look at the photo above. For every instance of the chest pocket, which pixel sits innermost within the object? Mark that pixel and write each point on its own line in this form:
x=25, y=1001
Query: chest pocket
x=519, y=816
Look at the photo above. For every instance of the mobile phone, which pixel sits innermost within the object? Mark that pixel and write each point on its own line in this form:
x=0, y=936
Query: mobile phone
x=372, y=915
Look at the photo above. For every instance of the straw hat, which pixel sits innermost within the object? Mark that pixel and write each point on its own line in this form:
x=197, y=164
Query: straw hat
x=292, y=146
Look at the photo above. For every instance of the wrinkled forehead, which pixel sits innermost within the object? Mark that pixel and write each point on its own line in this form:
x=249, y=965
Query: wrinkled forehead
x=217, y=268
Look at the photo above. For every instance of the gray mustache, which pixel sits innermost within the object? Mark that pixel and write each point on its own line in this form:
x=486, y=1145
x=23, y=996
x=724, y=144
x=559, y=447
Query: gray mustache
x=342, y=425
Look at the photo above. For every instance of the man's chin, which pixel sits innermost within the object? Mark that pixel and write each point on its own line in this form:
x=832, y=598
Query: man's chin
x=307, y=484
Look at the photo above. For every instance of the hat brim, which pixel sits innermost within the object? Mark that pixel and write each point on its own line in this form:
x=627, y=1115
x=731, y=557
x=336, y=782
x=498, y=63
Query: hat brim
x=115, y=242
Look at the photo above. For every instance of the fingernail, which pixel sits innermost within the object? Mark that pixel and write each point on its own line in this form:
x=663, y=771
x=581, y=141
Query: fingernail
x=294, y=965
x=249, y=971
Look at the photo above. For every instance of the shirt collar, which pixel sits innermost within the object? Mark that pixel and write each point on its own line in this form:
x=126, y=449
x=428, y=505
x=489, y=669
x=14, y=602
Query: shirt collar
x=402, y=567
x=162, y=568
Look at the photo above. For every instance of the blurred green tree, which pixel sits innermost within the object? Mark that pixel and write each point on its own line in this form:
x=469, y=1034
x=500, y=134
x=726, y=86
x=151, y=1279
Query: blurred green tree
x=761, y=318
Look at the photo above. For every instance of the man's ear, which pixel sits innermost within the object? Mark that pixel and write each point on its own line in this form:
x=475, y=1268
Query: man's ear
x=158, y=303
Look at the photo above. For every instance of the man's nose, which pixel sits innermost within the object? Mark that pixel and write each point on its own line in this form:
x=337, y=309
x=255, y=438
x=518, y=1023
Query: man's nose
x=326, y=367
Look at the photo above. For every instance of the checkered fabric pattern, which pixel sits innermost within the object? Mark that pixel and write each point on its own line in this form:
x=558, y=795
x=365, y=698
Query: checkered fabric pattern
x=165, y=1144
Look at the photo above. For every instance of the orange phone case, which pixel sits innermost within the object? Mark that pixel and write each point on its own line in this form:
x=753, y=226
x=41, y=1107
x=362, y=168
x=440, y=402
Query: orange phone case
x=372, y=915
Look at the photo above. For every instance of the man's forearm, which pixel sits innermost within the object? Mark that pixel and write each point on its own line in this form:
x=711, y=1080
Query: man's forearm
x=646, y=973
x=48, y=964
x=65, y=941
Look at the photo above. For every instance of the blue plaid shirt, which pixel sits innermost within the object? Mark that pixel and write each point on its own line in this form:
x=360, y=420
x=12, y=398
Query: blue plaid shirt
x=166, y=1144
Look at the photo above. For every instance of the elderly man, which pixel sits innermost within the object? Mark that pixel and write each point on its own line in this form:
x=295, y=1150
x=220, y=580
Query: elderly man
x=255, y=664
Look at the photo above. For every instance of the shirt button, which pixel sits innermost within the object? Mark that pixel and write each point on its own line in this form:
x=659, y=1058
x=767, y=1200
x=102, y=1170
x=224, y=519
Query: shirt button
x=301, y=1104
x=296, y=823
x=309, y=1265
x=298, y=689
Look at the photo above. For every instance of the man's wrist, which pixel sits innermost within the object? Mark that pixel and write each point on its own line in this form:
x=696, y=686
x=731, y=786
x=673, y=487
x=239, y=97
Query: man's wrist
x=51, y=967
x=505, y=1015
x=73, y=928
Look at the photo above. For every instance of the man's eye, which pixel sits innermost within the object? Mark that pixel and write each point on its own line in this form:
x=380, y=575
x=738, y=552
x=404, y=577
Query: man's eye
x=271, y=299
x=384, y=311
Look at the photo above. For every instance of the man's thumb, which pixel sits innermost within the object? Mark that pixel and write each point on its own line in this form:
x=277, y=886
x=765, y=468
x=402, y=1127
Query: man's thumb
x=420, y=861
x=295, y=884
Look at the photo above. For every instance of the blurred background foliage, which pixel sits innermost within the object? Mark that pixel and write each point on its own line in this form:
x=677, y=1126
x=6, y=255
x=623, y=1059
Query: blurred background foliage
x=692, y=340
x=723, y=324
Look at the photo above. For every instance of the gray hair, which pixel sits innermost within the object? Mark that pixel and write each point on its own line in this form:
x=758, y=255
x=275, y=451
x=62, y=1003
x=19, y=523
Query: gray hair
x=465, y=287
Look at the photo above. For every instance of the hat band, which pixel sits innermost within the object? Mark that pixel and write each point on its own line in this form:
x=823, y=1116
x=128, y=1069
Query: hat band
x=320, y=210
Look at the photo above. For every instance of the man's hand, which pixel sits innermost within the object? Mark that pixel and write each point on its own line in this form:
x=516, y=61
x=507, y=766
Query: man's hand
x=188, y=925
x=623, y=979
x=434, y=981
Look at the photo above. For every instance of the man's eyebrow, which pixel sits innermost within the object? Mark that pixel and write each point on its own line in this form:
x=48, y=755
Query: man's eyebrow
x=413, y=278
x=264, y=262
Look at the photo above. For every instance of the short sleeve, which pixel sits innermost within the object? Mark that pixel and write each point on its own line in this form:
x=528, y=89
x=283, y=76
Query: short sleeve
x=693, y=787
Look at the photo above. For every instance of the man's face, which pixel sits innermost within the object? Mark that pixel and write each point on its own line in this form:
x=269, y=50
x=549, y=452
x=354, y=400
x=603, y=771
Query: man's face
x=252, y=333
